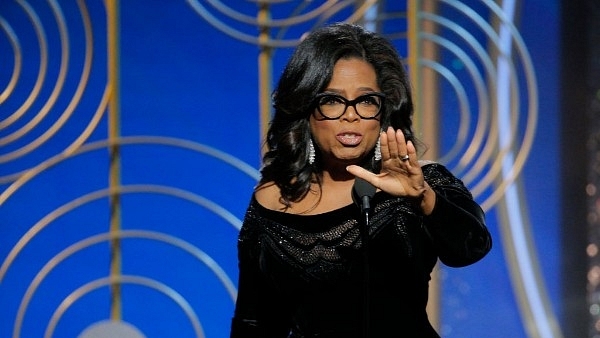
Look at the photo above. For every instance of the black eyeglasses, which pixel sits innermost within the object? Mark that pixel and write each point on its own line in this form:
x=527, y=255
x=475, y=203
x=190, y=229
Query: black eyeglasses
x=333, y=106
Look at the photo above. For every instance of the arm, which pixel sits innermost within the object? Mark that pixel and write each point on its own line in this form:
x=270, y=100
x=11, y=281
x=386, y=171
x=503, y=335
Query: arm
x=259, y=311
x=453, y=220
x=456, y=223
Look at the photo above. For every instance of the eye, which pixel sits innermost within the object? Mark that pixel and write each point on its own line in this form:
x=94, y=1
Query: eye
x=330, y=100
x=369, y=100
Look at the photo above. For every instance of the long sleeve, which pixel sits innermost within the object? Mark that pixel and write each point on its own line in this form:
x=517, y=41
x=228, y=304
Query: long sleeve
x=260, y=311
x=457, y=223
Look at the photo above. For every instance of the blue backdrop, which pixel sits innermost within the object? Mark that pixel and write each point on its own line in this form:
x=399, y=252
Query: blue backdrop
x=190, y=153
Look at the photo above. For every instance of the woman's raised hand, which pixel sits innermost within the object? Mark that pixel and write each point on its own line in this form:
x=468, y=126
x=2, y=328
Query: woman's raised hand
x=401, y=174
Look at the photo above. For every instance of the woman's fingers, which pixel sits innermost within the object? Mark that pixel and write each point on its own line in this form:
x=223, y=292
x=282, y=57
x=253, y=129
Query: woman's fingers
x=411, y=151
x=398, y=176
x=363, y=173
x=393, y=145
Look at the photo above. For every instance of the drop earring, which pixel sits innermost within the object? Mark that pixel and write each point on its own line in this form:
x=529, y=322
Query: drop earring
x=378, y=150
x=311, y=152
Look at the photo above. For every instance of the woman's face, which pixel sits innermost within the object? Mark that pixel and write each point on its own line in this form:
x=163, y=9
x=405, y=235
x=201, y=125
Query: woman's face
x=348, y=139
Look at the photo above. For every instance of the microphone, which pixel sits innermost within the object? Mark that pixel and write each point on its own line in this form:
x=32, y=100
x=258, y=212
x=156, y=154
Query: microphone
x=362, y=192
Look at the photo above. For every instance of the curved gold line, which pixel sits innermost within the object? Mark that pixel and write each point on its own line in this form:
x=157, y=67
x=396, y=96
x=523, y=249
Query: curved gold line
x=496, y=168
x=99, y=238
x=527, y=142
x=41, y=35
x=58, y=86
x=94, y=122
x=479, y=83
x=541, y=318
x=87, y=198
x=356, y=15
x=130, y=140
x=68, y=112
x=521, y=158
x=270, y=23
x=328, y=13
x=359, y=12
x=215, y=22
x=89, y=47
x=17, y=66
x=489, y=151
x=390, y=16
x=499, y=155
x=96, y=118
x=531, y=123
x=464, y=107
x=483, y=120
x=515, y=275
x=124, y=279
x=531, y=318
x=505, y=150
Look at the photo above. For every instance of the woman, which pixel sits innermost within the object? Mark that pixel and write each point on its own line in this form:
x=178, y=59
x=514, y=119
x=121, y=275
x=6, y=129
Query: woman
x=343, y=110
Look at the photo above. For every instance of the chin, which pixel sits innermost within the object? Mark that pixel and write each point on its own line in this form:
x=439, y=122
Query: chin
x=351, y=159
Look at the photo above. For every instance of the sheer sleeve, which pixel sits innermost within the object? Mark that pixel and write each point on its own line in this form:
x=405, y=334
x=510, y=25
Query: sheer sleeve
x=259, y=310
x=457, y=223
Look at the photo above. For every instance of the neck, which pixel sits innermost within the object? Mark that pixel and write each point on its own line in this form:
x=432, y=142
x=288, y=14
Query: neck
x=338, y=175
x=336, y=171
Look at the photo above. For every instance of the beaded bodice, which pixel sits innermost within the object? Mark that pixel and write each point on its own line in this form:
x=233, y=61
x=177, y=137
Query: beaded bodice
x=321, y=246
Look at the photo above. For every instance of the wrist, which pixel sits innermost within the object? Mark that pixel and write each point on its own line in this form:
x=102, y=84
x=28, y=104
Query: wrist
x=427, y=200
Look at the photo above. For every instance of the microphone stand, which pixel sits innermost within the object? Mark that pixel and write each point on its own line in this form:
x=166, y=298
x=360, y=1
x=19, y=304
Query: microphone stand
x=362, y=192
x=365, y=240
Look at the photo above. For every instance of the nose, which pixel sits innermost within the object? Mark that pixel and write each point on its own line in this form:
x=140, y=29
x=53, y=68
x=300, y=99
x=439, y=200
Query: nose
x=350, y=114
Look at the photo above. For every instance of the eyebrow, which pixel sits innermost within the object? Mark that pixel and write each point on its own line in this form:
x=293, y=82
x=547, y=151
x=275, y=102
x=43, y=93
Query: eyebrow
x=362, y=90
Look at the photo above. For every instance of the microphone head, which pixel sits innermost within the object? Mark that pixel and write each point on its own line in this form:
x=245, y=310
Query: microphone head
x=362, y=189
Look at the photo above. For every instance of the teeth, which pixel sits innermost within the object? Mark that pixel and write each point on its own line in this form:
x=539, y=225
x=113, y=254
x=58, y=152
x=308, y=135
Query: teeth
x=349, y=138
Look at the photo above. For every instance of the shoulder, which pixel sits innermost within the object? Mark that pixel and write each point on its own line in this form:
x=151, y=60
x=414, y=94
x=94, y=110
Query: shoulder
x=432, y=168
x=440, y=177
x=264, y=197
x=268, y=195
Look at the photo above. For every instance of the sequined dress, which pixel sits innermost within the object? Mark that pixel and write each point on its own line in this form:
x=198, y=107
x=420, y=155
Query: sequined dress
x=305, y=276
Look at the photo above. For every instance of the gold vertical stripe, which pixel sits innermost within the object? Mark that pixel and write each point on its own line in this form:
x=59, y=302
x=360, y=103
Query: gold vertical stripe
x=112, y=11
x=425, y=114
x=264, y=66
x=429, y=107
x=413, y=56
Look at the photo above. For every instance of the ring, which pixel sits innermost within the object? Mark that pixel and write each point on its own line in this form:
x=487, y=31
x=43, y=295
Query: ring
x=404, y=158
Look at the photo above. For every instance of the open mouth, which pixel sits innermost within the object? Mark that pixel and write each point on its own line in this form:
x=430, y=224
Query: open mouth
x=349, y=139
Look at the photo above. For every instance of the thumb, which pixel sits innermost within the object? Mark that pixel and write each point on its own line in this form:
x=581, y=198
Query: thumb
x=361, y=172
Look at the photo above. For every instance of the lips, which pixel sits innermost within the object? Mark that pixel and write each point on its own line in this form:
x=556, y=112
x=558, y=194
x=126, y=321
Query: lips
x=349, y=138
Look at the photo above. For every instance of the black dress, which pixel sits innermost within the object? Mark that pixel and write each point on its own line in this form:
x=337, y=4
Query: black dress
x=304, y=275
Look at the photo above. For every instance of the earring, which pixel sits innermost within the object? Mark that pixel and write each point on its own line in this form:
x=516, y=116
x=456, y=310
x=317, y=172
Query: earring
x=378, y=150
x=311, y=152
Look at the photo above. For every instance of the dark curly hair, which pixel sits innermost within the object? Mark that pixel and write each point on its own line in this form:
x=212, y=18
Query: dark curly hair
x=307, y=73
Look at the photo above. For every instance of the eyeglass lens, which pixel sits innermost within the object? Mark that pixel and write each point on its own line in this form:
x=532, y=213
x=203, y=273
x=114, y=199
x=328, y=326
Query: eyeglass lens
x=334, y=106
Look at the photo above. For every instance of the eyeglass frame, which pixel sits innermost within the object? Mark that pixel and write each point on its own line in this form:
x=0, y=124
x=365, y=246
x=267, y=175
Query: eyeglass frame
x=348, y=103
